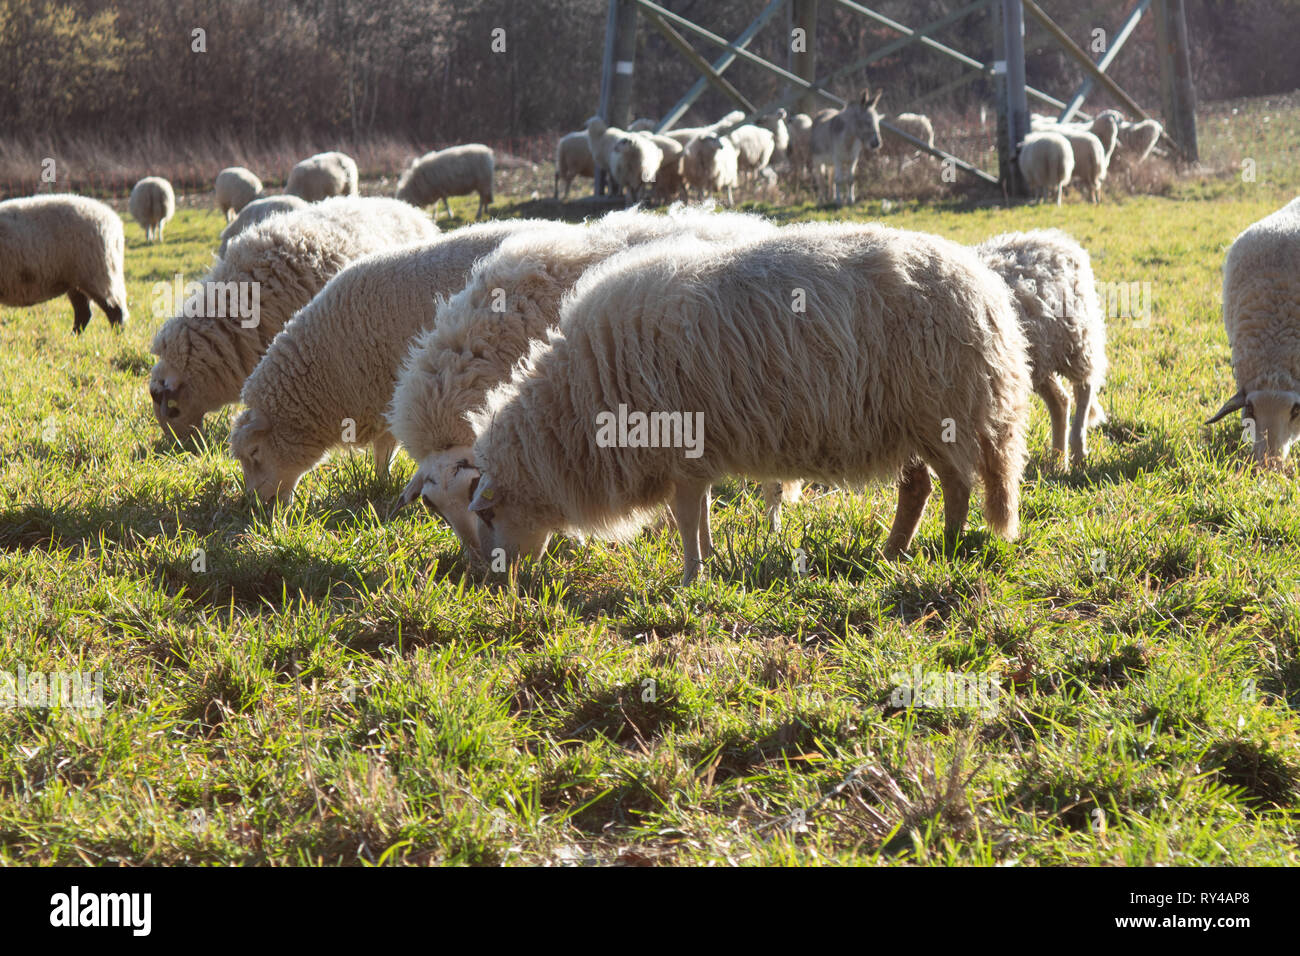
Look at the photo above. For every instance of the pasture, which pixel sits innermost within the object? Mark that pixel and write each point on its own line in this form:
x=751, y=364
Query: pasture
x=329, y=683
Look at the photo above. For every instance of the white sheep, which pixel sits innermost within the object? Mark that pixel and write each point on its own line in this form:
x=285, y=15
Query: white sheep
x=1137, y=141
x=1046, y=161
x=1105, y=126
x=711, y=165
x=837, y=139
x=685, y=134
x=1261, y=314
x=907, y=340
x=601, y=138
x=323, y=176
x=634, y=162
x=669, y=184
x=63, y=245
x=222, y=326
x=1055, y=292
x=755, y=146
x=1089, y=159
x=328, y=376
x=572, y=159
x=152, y=204
x=255, y=212
x=510, y=301
x=775, y=123
x=455, y=171
x=236, y=187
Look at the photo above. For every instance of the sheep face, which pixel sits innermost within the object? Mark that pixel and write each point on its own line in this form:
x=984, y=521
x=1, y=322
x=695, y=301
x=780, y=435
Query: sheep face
x=506, y=532
x=265, y=474
x=173, y=406
x=445, y=481
x=1275, y=415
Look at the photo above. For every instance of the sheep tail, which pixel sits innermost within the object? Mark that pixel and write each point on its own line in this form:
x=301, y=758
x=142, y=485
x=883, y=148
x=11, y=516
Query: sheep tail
x=1001, y=464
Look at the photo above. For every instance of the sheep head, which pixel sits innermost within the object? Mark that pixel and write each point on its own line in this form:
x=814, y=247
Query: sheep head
x=445, y=482
x=265, y=472
x=173, y=406
x=505, y=532
x=1274, y=417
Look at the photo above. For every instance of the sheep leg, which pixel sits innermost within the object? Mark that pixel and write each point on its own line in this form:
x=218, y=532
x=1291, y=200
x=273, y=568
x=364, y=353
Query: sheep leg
x=80, y=310
x=447, y=206
x=1058, y=406
x=688, y=505
x=772, y=502
x=382, y=448
x=706, y=534
x=956, y=504
x=1079, y=426
x=913, y=492
x=112, y=312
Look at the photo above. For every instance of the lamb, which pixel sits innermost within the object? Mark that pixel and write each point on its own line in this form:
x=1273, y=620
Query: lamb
x=323, y=176
x=634, y=162
x=255, y=212
x=572, y=159
x=456, y=171
x=1261, y=314
x=330, y=373
x=755, y=146
x=1046, y=161
x=152, y=204
x=711, y=165
x=1052, y=283
x=223, y=325
x=837, y=140
x=510, y=301
x=63, y=245
x=236, y=188
x=1089, y=159
x=902, y=333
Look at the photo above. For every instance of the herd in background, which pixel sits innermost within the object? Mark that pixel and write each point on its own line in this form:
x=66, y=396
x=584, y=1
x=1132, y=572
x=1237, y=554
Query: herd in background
x=496, y=353
x=824, y=150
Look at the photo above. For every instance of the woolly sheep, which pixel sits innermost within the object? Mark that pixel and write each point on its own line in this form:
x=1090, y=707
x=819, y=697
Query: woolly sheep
x=775, y=123
x=236, y=188
x=255, y=212
x=710, y=165
x=152, y=204
x=510, y=301
x=669, y=183
x=601, y=138
x=1054, y=290
x=1261, y=314
x=456, y=171
x=754, y=147
x=333, y=367
x=323, y=176
x=838, y=137
x=903, y=331
x=1105, y=126
x=1046, y=161
x=634, y=161
x=1089, y=159
x=687, y=133
x=572, y=159
x=211, y=345
x=1137, y=141
x=63, y=245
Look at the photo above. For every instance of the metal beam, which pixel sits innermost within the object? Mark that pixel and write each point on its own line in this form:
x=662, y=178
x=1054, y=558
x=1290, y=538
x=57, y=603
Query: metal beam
x=1013, y=124
x=670, y=118
x=939, y=153
x=1176, y=86
x=1085, y=87
x=716, y=40
x=701, y=64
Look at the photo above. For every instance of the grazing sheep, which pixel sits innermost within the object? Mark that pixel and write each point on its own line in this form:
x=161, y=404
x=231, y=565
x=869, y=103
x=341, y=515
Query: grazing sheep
x=775, y=123
x=1261, y=313
x=1137, y=141
x=63, y=245
x=1046, y=160
x=907, y=340
x=255, y=212
x=838, y=137
x=456, y=171
x=669, y=184
x=1105, y=126
x=1089, y=159
x=915, y=124
x=330, y=373
x=634, y=161
x=572, y=159
x=224, y=324
x=601, y=138
x=236, y=188
x=754, y=148
x=152, y=204
x=510, y=302
x=711, y=165
x=687, y=133
x=323, y=176
x=1052, y=284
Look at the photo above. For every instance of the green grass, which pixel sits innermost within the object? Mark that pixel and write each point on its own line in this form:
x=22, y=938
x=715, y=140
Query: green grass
x=330, y=685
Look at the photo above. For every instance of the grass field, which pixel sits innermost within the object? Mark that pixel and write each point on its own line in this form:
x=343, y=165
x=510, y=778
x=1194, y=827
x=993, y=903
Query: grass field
x=329, y=684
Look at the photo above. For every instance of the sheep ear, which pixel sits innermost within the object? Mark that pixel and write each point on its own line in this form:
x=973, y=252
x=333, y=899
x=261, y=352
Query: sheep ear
x=411, y=492
x=866, y=96
x=876, y=99
x=1233, y=404
x=483, y=496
